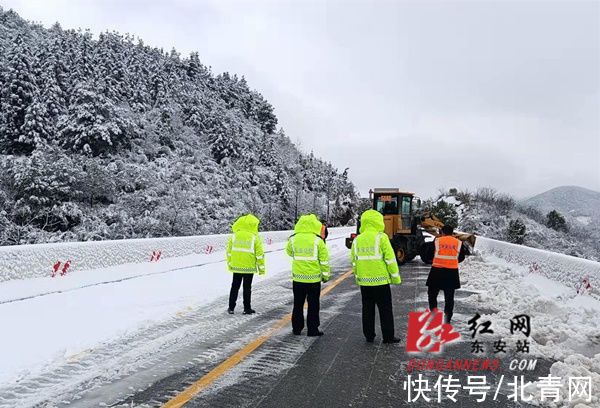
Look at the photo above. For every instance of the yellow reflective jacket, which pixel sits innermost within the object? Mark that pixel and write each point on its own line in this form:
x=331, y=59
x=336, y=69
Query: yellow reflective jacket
x=310, y=259
x=244, y=250
x=372, y=256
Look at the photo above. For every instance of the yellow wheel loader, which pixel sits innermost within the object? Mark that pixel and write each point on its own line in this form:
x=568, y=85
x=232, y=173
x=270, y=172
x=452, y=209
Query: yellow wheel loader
x=406, y=229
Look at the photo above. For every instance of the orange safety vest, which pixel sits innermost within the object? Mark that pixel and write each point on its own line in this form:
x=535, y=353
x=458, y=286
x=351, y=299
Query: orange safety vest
x=323, y=231
x=447, y=249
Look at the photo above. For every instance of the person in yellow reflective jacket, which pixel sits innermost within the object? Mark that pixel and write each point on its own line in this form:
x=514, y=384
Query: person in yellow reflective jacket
x=310, y=266
x=375, y=267
x=245, y=257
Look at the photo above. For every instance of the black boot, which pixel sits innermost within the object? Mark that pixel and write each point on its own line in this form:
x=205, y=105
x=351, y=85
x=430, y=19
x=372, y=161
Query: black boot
x=249, y=311
x=392, y=340
x=315, y=334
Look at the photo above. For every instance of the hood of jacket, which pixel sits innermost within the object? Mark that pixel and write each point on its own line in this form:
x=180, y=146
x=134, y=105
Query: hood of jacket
x=247, y=223
x=308, y=223
x=371, y=220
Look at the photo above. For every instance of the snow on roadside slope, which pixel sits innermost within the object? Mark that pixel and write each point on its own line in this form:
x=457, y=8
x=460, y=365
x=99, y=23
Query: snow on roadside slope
x=36, y=284
x=36, y=261
x=28, y=288
x=565, y=326
x=56, y=326
x=569, y=270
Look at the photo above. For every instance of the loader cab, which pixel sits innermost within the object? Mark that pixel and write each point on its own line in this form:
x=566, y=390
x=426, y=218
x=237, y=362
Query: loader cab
x=396, y=207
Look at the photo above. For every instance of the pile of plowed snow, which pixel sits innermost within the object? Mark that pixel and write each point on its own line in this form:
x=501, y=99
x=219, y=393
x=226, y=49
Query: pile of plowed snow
x=565, y=324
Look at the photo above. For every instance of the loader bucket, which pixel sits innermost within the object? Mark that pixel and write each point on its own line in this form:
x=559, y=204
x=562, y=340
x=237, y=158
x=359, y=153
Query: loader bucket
x=469, y=239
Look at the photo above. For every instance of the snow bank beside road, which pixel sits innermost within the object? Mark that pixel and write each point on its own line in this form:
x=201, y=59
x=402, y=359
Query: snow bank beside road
x=565, y=326
x=35, y=261
x=22, y=289
x=568, y=270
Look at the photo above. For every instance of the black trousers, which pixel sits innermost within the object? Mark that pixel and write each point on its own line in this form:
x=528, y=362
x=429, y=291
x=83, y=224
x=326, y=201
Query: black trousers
x=311, y=293
x=235, y=288
x=380, y=296
x=432, y=294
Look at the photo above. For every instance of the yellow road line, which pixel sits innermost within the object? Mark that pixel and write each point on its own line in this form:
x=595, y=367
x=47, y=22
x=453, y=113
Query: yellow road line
x=197, y=387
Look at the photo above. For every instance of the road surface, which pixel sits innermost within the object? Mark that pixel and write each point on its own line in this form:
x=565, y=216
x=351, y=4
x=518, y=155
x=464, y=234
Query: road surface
x=338, y=370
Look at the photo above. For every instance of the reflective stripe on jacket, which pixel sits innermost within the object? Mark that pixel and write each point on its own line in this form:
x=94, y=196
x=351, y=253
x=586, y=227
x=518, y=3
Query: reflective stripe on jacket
x=372, y=256
x=447, y=250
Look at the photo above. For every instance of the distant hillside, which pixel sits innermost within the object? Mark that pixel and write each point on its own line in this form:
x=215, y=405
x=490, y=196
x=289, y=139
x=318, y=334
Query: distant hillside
x=495, y=215
x=577, y=203
x=107, y=138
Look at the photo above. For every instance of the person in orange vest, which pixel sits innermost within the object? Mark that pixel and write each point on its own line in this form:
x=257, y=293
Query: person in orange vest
x=448, y=252
x=324, y=231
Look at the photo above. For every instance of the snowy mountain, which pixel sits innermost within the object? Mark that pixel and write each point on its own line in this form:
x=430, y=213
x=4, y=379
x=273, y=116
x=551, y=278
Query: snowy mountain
x=579, y=204
x=107, y=138
x=488, y=213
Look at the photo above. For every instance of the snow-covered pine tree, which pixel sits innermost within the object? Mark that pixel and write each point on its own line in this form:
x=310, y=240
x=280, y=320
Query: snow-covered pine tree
x=110, y=71
x=52, y=77
x=16, y=97
x=92, y=125
x=194, y=114
x=83, y=57
x=41, y=182
x=224, y=143
x=556, y=221
x=265, y=115
x=138, y=74
x=516, y=231
x=37, y=127
x=267, y=155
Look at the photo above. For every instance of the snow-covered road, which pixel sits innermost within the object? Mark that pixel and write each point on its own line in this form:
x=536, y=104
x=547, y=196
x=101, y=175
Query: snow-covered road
x=56, y=324
x=102, y=335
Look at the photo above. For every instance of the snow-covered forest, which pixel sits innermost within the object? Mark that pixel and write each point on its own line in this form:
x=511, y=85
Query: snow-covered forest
x=107, y=138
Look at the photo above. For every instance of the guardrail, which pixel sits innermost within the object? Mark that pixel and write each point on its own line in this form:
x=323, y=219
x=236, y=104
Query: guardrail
x=42, y=260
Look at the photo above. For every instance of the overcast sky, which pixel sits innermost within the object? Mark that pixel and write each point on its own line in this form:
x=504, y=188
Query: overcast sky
x=417, y=95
